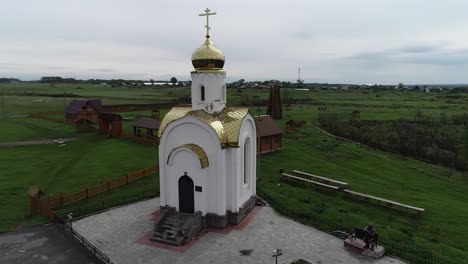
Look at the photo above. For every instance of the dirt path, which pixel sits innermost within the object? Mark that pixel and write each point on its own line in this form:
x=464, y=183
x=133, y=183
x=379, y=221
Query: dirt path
x=36, y=142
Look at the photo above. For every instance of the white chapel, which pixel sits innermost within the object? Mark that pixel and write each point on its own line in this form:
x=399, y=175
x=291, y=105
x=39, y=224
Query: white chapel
x=207, y=152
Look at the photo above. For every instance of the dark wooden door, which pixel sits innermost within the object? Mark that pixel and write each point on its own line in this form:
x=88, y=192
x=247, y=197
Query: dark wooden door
x=186, y=195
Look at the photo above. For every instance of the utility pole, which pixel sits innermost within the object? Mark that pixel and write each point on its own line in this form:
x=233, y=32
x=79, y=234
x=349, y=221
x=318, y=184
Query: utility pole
x=299, y=75
x=3, y=100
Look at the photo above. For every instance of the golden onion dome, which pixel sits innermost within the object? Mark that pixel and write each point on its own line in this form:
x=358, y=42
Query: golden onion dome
x=208, y=57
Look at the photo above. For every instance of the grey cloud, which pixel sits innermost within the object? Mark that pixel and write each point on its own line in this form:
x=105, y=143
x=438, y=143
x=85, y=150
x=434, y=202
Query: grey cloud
x=58, y=67
x=455, y=57
x=303, y=34
x=101, y=70
x=429, y=54
x=422, y=48
x=261, y=39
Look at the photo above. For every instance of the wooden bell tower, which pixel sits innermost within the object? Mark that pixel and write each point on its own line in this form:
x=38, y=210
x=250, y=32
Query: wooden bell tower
x=275, y=110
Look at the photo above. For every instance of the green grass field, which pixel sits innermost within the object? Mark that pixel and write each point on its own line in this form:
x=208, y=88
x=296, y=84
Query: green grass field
x=441, y=191
x=91, y=159
x=59, y=170
x=26, y=128
x=382, y=105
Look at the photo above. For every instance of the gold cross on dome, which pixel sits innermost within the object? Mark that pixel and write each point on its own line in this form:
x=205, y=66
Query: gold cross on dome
x=207, y=14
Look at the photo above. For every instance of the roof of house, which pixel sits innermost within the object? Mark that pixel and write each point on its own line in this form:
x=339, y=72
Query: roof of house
x=109, y=116
x=147, y=123
x=76, y=105
x=266, y=126
x=97, y=104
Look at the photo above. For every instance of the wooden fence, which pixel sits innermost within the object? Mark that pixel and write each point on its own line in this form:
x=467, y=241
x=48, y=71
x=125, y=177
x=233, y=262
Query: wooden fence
x=66, y=199
x=45, y=117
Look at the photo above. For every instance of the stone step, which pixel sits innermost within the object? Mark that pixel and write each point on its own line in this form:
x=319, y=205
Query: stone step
x=166, y=226
x=177, y=242
x=170, y=235
x=168, y=229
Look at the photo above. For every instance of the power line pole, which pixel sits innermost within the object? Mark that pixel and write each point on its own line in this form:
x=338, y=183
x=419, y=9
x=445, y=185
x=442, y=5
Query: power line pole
x=3, y=100
x=299, y=75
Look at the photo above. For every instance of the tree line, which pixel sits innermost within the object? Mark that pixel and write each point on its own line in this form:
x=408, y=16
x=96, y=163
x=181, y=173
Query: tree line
x=437, y=140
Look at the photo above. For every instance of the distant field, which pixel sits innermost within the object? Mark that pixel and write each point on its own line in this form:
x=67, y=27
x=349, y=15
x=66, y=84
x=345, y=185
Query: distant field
x=382, y=105
x=25, y=98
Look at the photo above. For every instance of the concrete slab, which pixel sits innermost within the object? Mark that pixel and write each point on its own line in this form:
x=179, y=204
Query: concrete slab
x=45, y=244
x=119, y=233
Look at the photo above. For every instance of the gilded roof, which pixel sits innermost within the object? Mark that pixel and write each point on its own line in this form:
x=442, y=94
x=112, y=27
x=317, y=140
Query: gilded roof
x=197, y=150
x=226, y=124
x=208, y=57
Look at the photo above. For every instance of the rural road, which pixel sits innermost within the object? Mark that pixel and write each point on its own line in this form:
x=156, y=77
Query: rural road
x=36, y=142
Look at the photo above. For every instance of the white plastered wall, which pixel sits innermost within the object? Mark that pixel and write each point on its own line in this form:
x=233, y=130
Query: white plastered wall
x=190, y=130
x=215, y=91
x=238, y=191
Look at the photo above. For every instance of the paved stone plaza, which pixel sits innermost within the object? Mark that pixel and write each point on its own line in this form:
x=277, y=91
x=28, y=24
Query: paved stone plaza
x=122, y=234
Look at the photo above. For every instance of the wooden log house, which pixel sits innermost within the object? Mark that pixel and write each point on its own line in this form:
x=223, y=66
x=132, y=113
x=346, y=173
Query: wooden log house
x=269, y=134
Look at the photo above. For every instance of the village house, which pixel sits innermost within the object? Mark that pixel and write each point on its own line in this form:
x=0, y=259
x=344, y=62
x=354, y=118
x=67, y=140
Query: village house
x=84, y=111
x=269, y=134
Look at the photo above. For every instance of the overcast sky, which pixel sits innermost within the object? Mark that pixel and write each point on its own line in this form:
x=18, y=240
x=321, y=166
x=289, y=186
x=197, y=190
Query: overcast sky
x=347, y=41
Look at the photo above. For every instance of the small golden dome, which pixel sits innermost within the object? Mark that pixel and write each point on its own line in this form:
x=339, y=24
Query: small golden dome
x=208, y=57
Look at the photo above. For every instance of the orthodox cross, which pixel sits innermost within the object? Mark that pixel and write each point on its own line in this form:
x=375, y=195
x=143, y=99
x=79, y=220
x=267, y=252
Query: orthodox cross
x=207, y=14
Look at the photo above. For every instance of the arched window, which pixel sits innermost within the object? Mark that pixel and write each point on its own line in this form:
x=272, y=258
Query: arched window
x=247, y=161
x=202, y=90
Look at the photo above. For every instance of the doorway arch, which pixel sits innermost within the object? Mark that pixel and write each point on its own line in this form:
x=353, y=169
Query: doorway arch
x=186, y=195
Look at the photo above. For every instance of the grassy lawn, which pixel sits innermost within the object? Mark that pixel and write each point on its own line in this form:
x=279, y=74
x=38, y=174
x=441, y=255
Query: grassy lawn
x=441, y=191
x=26, y=128
x=58, y=170
x=91, y=159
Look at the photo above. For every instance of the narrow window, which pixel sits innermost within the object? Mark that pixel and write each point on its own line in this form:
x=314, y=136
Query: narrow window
x=266, y=140
x=246, y=160
x=224, y=92
x=202, y=93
